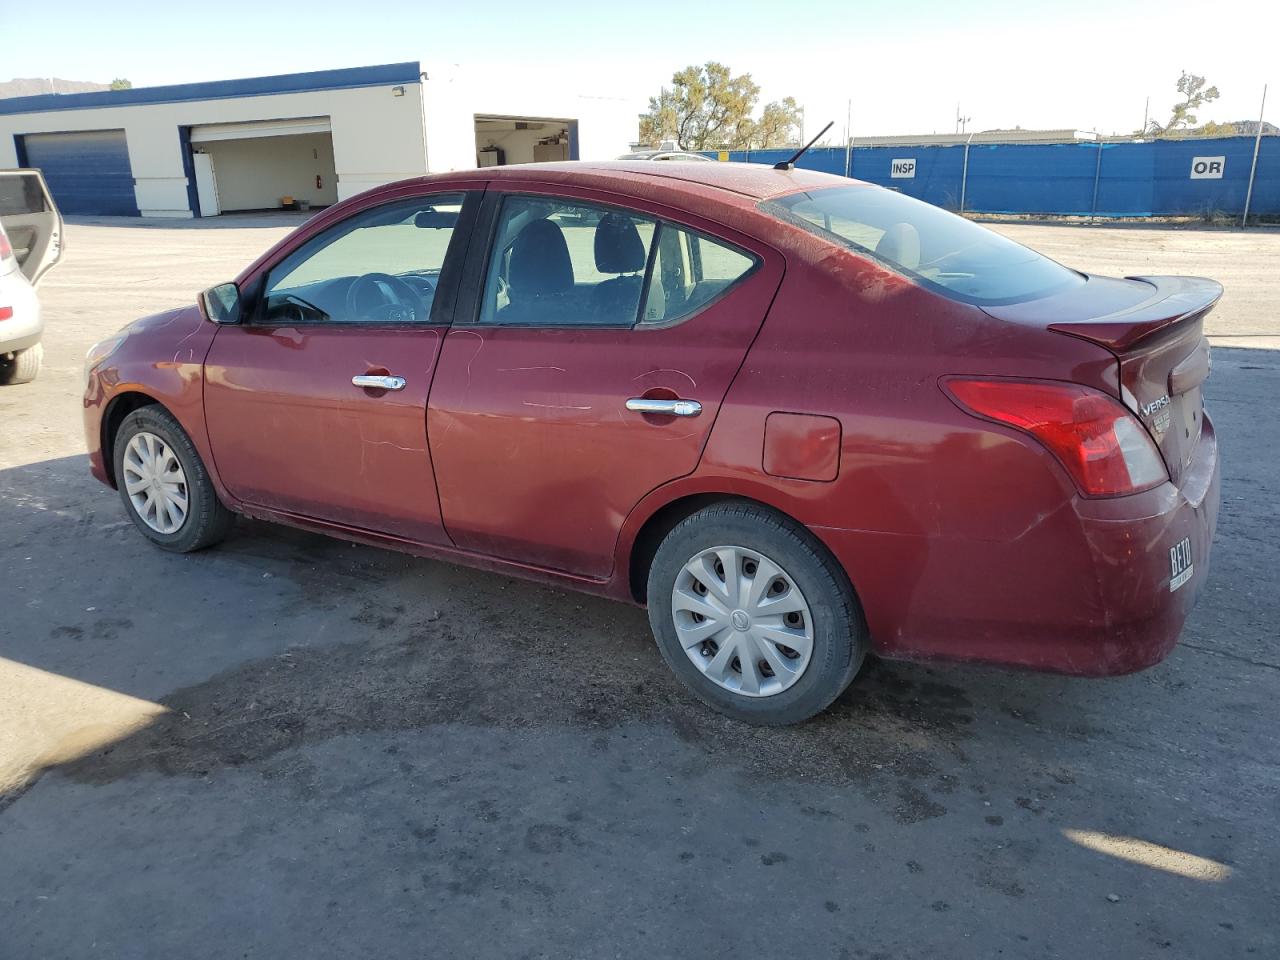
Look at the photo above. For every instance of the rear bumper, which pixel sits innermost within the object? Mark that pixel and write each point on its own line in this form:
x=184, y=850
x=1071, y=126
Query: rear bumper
x=24, y=328
x=1085, y=591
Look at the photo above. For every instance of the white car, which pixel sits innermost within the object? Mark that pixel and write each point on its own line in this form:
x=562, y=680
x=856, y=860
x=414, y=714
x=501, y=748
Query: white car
x=30, y=243
x=666, y=155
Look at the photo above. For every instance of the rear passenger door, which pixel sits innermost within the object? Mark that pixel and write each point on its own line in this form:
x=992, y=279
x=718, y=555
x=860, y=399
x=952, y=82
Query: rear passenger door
x=31, y=221
x=585, y=368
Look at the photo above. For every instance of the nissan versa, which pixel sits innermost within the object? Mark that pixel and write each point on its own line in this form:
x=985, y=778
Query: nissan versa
x=801, y=418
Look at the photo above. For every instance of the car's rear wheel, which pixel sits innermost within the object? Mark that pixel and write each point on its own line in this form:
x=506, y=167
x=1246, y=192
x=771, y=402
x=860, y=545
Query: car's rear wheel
x=165, y=487
x=754, y=615
x=24, y=365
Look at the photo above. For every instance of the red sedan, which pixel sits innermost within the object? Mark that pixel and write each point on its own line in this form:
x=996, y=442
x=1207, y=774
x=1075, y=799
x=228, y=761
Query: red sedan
x=801, y=418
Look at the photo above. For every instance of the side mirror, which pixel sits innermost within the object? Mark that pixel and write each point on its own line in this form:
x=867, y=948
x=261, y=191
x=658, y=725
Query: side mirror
x=222, y=303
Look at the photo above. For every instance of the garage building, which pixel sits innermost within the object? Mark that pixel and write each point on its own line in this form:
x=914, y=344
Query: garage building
x=201, y=149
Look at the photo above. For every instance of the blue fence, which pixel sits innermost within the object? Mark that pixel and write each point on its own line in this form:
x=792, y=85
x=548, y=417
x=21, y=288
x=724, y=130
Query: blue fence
x=1131, y=179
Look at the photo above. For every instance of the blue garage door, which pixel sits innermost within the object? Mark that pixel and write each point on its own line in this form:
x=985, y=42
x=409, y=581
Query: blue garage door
x=87, y=172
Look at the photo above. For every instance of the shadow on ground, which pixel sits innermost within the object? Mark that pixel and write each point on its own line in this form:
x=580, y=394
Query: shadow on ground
x=327, y=639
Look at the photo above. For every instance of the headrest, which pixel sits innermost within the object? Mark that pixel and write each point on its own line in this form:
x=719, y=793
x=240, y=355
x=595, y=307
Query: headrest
x=540, y=261
x=619, y=248
x=901, y=245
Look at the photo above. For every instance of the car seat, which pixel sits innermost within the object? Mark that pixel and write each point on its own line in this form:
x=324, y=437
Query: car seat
x=900, y=245
x=618, y=249
x=539, y=276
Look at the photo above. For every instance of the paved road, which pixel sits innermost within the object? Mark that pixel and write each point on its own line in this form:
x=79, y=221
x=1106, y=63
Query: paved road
x=361, y=754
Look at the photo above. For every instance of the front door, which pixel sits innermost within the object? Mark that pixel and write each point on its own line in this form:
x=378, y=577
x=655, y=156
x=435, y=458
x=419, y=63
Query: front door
x=589, y=372
x=316, y=404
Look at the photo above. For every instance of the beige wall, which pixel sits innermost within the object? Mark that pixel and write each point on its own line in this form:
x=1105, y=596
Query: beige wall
x=377, y=136
x=253, y=174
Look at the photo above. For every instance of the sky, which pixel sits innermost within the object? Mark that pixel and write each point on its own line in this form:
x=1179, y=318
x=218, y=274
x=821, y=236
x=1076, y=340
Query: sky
x=899, y=67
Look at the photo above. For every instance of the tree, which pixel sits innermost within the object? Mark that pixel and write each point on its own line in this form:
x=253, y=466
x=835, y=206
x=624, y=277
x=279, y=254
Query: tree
x=1195, y=95
x=1212, y=129
x=120, y=83
x=708, y=107
x=777, y=122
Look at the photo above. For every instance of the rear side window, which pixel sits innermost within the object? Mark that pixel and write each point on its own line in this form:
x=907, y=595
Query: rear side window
x=947, y=253
x=689, y=271
x=21, y=194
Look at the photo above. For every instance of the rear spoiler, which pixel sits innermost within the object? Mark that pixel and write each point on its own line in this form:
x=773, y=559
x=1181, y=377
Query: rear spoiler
x=1172, y=301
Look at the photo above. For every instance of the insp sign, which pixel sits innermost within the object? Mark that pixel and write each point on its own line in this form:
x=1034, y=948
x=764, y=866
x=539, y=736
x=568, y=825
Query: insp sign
x=903, y=168
x=1207, y=168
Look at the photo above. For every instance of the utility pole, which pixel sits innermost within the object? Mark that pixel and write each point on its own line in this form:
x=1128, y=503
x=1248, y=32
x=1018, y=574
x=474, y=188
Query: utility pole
x=1253, y=167
x=848, y=138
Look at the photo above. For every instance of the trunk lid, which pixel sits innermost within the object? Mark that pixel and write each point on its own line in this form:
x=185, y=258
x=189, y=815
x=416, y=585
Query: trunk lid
x=1154, y=326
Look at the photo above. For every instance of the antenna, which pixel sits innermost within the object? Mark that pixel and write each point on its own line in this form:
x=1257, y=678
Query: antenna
x=790, y=164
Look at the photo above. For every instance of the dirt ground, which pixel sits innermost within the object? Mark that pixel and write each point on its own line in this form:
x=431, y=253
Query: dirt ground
x=290, y=746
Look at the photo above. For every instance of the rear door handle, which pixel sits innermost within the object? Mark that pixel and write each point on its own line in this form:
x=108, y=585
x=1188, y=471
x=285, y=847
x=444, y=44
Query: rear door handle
x=666, y=408
x=372, y=381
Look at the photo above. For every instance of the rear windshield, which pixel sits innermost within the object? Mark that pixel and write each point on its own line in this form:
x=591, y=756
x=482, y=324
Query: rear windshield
x=959, y=259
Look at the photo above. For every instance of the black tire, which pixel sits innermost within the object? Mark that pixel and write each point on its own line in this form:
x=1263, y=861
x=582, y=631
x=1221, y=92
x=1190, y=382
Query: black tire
x=840, y=640
x=24, y=367
x=207, y=520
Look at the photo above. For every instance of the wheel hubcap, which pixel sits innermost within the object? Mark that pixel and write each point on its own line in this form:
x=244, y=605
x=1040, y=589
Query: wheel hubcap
x=742, y=621
x=155, y=483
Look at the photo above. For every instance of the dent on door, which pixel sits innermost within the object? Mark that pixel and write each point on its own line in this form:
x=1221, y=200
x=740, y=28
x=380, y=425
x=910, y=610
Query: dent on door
x=293, y=431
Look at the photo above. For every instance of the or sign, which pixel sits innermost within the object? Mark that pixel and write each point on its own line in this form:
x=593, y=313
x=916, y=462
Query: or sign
x=1207, y=168
x=903, y=168
x=724, y=156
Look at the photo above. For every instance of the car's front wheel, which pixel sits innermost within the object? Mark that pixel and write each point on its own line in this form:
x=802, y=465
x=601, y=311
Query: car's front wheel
x=164, y=484
x=754, y=615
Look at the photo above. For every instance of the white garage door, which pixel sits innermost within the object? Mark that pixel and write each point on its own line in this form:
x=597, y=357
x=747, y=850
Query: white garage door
x=209, y=132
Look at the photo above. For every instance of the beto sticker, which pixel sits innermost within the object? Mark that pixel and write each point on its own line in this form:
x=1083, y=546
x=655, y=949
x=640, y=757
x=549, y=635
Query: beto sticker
x=1180, y=565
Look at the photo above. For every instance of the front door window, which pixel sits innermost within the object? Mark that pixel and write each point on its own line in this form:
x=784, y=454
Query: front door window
x=381, y=266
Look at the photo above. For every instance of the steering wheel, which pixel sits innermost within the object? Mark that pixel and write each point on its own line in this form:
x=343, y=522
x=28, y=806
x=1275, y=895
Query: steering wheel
x=382, y=298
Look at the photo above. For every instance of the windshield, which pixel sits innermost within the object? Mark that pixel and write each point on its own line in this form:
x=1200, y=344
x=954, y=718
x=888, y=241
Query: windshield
x=959, y=259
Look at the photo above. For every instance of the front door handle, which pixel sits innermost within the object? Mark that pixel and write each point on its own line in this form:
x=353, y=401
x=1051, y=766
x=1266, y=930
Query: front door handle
x=371, y=381
x=665, y=408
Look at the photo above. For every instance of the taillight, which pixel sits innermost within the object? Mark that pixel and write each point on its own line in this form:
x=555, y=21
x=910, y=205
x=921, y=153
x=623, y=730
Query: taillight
x=6, y=313
x=1104, y=448
x=6, y=250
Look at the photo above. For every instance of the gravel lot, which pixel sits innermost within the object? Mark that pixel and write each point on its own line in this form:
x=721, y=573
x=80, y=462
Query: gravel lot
x=289, y=746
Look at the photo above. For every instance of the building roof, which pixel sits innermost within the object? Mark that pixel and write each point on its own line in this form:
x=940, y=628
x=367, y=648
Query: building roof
x=376, y=76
